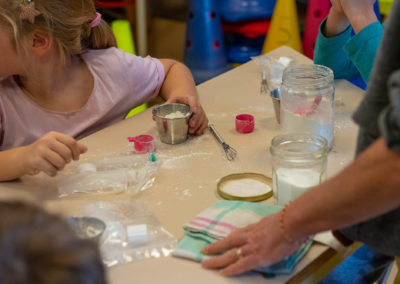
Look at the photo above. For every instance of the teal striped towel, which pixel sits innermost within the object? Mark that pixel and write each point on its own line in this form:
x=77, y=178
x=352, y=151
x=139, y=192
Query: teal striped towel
x=217, y=221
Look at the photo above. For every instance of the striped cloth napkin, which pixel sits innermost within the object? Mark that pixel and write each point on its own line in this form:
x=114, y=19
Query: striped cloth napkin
x=217, y=221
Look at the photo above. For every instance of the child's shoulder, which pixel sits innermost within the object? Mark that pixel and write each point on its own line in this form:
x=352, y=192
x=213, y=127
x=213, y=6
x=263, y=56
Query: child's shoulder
x=108, y=54
x=110, y=58
x=115, y=60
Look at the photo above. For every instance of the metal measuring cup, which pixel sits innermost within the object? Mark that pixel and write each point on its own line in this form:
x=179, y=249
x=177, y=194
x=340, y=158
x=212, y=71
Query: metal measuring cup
x=172, y=130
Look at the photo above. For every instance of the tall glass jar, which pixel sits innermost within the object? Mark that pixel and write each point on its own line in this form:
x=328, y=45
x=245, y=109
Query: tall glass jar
x=307, y=100
x=298, y=164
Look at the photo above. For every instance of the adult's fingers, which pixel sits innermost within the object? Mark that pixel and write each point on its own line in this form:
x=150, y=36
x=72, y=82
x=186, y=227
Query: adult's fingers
x=221, y=260
x=233, y=240
x=243, y=264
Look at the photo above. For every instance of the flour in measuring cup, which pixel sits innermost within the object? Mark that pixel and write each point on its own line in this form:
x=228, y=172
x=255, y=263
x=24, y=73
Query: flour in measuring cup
x=291, y=183
x=176, y=114
x=246, y=187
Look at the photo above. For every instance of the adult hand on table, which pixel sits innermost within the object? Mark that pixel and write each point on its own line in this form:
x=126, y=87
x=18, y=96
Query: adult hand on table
x=199, y=121
x=259, y=244
x=50, y=153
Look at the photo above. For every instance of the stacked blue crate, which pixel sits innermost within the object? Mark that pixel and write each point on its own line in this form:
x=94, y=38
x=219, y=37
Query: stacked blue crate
x=205, y=50
x=253, y=13
x=242, y=10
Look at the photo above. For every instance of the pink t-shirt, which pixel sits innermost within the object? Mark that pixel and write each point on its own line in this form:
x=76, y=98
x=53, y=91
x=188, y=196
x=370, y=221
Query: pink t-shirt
x=122, y=81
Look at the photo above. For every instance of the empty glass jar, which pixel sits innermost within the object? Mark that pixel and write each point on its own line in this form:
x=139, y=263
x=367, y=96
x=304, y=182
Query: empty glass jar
x=307, y=100
x=298, y=164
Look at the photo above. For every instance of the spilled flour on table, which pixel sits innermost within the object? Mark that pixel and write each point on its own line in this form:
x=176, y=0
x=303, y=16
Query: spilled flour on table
x=172, y=162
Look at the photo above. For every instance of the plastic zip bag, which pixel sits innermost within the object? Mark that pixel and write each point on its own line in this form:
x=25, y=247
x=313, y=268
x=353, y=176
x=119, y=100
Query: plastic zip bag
x=130, y=173
x=132, y=232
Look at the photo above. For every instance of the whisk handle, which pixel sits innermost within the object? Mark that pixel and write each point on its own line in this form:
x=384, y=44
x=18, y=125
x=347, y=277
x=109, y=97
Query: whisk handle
x=216, y=134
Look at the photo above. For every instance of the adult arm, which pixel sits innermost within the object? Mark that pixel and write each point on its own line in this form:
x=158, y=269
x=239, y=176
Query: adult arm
x=179, y=87
x=366, y=189
x=347, y=199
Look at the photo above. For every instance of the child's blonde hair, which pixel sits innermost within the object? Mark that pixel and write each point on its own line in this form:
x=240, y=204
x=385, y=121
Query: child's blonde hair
x=66, y=21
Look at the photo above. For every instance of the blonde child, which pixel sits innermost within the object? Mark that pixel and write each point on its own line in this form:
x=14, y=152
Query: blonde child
x=63, y=79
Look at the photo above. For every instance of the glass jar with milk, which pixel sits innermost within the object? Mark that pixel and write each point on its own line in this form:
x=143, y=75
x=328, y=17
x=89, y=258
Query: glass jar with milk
x=307, y=100
x=298, y=164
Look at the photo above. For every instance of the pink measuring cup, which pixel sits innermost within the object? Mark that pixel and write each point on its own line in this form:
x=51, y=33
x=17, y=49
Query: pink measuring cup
x=143, y=143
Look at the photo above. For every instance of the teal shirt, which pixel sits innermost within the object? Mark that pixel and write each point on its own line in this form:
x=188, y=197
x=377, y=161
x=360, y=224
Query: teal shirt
x=349, y=56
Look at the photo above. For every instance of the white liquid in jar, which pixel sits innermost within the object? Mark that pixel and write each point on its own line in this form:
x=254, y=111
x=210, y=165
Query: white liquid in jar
x=291, y=183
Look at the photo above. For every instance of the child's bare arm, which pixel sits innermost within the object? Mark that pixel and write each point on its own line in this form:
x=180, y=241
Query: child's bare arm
x=179, y=87
x=48, y=154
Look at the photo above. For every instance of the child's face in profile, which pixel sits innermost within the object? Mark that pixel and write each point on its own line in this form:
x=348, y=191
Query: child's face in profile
x=9, y=58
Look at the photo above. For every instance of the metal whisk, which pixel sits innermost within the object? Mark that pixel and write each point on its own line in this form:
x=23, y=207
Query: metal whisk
x=229, y=151
x=264, y=83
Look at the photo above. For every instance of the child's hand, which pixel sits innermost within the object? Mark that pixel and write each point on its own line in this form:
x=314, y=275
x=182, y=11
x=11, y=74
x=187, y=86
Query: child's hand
x=51, y=153
x=354, y=8
x=337, y=20
x=337, y=7
x=359, y=12
x=199, y=121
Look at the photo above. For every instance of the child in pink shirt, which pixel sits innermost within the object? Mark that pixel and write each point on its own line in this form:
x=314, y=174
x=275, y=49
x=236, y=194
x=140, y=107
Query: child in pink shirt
x=63, y=79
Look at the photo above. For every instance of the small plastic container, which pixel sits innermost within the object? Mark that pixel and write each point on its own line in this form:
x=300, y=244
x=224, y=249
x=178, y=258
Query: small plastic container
x=244, y=123
x=298, y=164
x=143, y=143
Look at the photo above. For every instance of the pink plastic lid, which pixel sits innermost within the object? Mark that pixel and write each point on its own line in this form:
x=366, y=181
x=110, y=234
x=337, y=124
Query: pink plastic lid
x=244, y=123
